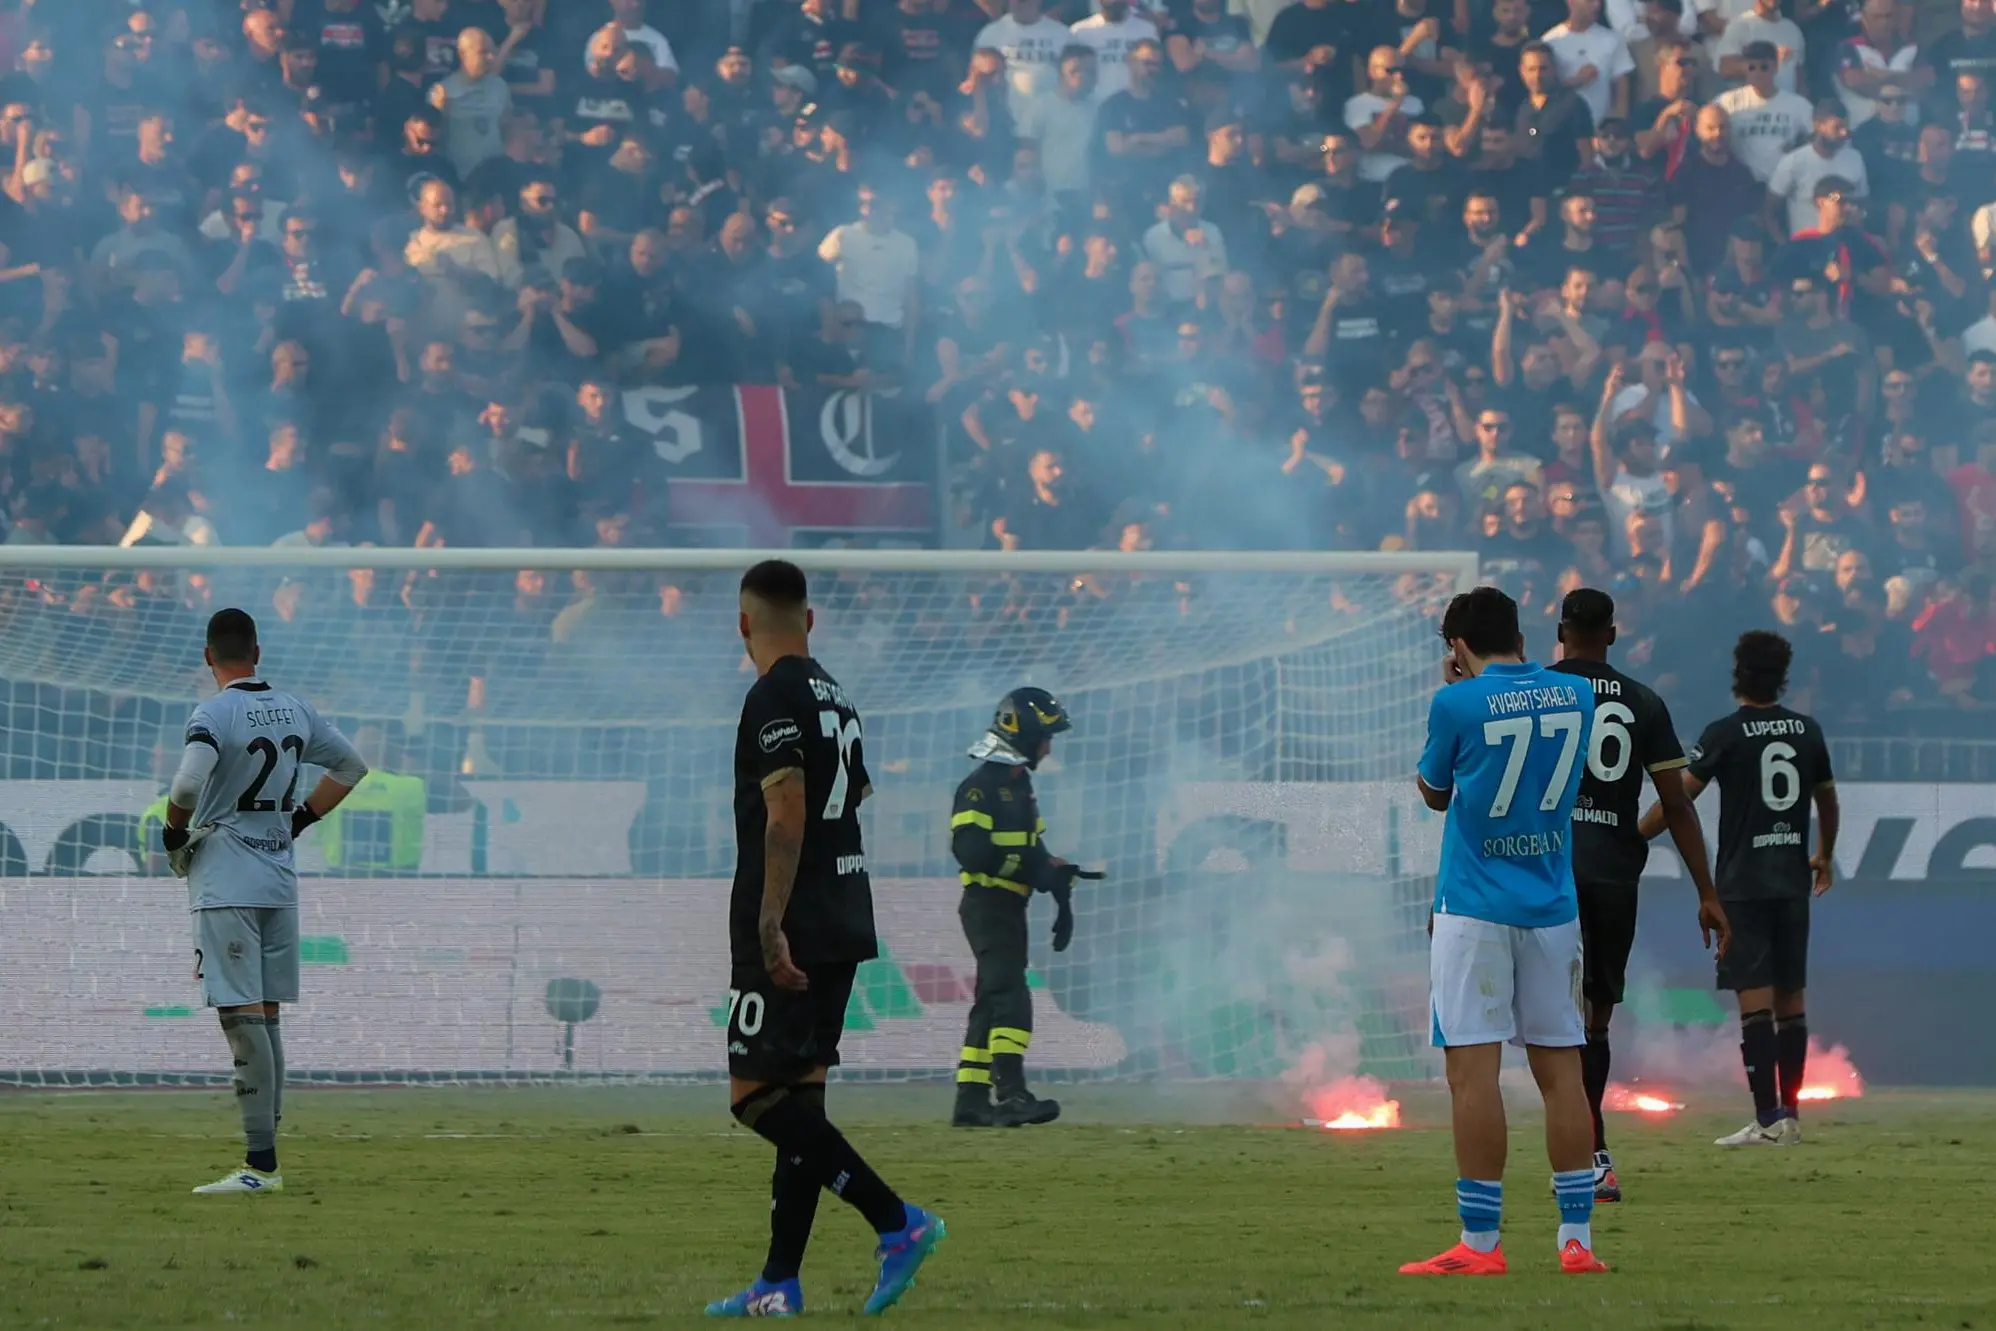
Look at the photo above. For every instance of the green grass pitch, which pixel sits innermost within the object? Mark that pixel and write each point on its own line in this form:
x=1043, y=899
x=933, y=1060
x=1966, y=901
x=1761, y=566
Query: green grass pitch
x=439, y=1209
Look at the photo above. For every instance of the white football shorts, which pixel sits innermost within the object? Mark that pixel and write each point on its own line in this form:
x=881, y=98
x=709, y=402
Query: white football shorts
x=1488, y=983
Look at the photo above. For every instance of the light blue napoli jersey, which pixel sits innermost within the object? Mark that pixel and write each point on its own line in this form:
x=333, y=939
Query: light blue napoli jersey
x=1512, y=744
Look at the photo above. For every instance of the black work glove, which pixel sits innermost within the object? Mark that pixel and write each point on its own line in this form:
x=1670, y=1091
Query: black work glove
x=1060, y=878
x=1062, y=889
x=172, y=838
x=302, y=817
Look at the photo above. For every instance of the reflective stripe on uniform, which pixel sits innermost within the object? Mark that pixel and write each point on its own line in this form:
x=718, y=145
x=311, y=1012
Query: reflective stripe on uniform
x=1009, y=1040
x=1012, y=838
x=988, y=880
x=970, y=1055
x=971, y=818
x=973, y=1076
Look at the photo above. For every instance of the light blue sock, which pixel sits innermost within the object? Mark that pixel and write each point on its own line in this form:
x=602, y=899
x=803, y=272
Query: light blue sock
x=1480, y=1203
x=1575, y=1190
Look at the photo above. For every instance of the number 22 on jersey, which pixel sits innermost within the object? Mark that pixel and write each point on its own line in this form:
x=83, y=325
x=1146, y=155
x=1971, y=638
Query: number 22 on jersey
x=262, y=748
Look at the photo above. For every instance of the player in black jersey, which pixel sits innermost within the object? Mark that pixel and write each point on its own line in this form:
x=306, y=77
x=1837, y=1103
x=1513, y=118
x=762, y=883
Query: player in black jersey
x=800, y=920
x=1768, y=761
x=1632, y=735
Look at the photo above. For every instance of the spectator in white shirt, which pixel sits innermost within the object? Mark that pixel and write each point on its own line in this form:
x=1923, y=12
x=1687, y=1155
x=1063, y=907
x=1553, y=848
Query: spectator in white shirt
x=1187, y=250
x=442, y=250
x=1763, y=122
x=1827, y=153
x=1981, y=335
x=1626, y=18
x=1064, y=125
x=878, y=269
x=628, y=17
x=1764, y=24
x=1111, y=34
x=1031, y=44
x=1593, y=60
x=1380, y=115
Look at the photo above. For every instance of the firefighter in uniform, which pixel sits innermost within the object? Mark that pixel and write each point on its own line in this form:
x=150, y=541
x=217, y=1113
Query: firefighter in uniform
x=995, y=830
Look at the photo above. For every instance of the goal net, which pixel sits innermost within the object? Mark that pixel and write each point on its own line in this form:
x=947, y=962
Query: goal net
x=538, y=866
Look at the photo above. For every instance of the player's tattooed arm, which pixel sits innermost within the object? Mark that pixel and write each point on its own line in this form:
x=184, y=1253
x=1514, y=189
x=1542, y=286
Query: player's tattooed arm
x=782, y=844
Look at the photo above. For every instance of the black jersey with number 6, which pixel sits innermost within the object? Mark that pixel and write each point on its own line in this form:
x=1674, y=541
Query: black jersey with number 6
x=1632, y=737
x=1768, y=762
x=796, y=717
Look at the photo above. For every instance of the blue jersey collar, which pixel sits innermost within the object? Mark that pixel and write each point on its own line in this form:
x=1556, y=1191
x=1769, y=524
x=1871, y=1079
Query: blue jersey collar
x=1506, y=668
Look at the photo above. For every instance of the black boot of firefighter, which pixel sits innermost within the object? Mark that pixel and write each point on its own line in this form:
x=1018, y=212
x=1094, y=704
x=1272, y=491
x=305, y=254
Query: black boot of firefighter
x=973, y=1106
x=1015, y=1106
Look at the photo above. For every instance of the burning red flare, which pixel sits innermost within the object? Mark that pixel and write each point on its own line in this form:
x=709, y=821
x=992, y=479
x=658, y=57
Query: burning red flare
x=1832, y=1076
x=1350, y=1104
x=1622, y=1099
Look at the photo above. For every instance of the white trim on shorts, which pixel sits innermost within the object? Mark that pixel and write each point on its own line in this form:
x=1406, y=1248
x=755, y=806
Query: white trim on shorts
x=1491, y=983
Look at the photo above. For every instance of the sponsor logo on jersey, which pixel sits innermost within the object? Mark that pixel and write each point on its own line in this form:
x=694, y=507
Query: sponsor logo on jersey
x=850, y=864
x=1528, y=845
x=1781, y=835
x=1605, y=817
x=777, y=734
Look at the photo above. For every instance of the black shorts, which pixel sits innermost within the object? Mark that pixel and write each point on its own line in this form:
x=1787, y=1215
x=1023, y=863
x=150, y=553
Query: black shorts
x=1607, y=934
x=1770, y=945
x=775, y=1036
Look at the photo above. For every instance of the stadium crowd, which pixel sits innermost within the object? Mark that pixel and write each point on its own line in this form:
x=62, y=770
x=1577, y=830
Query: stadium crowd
x=1688, y=299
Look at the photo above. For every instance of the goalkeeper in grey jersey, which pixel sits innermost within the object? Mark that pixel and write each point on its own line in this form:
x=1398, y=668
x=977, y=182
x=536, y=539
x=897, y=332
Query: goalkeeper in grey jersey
x=232, y=815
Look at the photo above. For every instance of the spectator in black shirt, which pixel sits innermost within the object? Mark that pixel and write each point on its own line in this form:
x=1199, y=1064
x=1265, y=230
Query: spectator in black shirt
x=1554, y=126
x=1046, y=514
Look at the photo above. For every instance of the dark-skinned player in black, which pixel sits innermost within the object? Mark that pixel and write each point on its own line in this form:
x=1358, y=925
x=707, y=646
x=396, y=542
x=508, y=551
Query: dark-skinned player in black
x=800, y=921
x=1632, y=735
x=1771, y=764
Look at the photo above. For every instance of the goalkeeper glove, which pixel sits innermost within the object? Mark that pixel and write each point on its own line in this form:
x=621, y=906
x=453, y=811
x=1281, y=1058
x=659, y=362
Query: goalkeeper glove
x=302, y=817
x=180, y=844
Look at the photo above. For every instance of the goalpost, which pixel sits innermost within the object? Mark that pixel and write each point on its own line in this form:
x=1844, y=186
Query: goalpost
x=537, y=872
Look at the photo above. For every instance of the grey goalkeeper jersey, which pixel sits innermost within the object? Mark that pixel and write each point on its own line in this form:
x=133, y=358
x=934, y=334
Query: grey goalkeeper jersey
x=262, y=737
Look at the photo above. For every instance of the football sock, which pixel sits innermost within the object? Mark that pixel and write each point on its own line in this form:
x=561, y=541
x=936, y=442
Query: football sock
x=249, y=1045
x=792, y=1119
x=1480, y=1203
x=1791, y=1058
x=1757, y=1052
x=277, y=1070
x=1594, y=1064
x=1575, y=1190
x=793, y=1206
